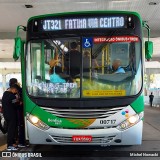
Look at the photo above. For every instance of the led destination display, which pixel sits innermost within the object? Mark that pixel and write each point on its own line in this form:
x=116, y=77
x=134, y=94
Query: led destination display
x=83, y=23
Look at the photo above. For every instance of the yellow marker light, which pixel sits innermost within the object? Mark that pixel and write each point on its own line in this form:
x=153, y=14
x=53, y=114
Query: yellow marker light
x=132, y=119
x=34, y=119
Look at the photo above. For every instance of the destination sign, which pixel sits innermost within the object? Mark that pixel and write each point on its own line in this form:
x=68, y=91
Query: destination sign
x=83, y=23
x=116, y=39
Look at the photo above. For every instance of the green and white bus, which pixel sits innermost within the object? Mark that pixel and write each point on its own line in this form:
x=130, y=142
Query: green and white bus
x=96, y=105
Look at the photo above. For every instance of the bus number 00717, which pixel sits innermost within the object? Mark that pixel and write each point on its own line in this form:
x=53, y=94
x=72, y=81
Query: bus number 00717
x=107, y=121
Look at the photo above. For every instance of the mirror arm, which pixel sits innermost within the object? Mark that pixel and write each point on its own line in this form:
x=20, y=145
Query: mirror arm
x=147, y=27
x=148, y=44
x=20, y=27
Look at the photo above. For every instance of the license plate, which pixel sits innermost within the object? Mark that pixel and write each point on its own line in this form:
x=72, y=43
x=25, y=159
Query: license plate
x=83, y=139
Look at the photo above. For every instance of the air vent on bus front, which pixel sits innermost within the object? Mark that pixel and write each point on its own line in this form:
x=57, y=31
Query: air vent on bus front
x=83, y=113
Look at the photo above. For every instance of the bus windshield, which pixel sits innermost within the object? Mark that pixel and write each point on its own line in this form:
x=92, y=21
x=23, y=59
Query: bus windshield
x=84, y=67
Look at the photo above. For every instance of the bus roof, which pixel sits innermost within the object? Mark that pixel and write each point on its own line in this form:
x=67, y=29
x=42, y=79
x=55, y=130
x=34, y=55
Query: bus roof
x=85, y=12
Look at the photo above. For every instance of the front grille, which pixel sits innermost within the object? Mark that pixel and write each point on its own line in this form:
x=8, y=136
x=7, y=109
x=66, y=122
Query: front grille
x=83, y=113
x=95, y=140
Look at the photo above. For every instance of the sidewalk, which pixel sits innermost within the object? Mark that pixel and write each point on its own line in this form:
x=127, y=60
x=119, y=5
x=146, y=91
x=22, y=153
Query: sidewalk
x=153, y=106
x=156, y=101
x=3, y=139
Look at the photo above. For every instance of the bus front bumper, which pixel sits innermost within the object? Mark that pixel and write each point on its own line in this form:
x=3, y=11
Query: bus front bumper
x=103, y=137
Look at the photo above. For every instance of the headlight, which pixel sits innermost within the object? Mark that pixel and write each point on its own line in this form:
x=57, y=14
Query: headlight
x=34, y=119
x=131, y=121
x=37, y=122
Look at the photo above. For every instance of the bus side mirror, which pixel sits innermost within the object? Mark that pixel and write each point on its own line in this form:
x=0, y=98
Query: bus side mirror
x=148, y=50
x=17, y=48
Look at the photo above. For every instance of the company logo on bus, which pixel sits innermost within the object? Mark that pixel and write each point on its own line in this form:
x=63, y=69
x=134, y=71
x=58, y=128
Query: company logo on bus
x=125, y=113
x=55, y=121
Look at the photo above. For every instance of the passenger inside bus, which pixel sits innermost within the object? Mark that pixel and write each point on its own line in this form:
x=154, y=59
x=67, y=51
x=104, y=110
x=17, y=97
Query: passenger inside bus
x=73, y=61
x=55, y=75
x=55, y=72
x=116, y=65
